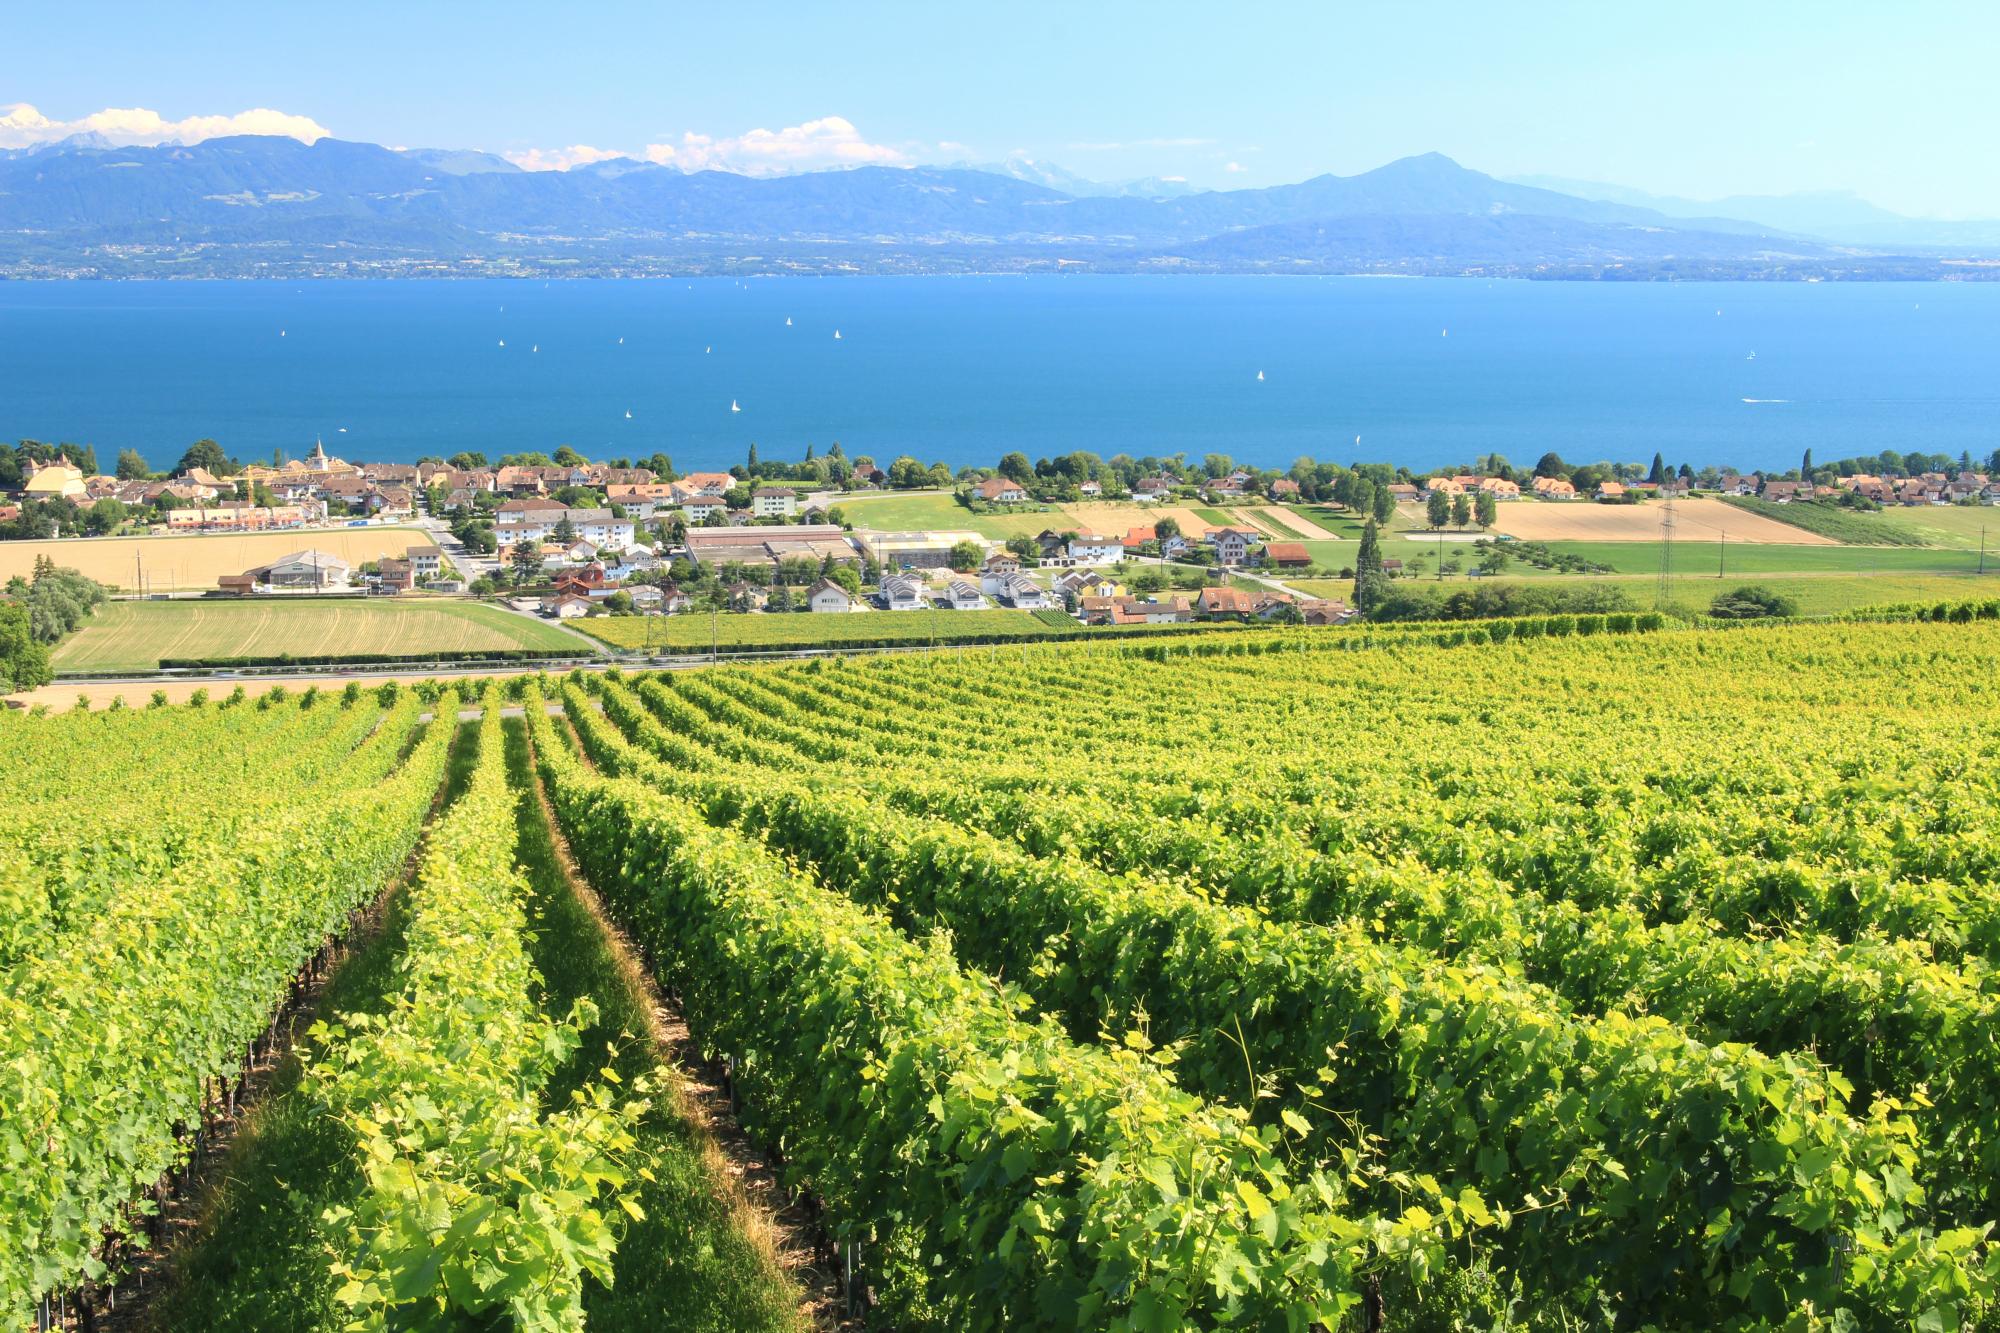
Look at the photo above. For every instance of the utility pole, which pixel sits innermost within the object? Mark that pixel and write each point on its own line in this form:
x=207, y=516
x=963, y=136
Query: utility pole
x=1721, y=552
x=1665, y=597
x=1982, y=548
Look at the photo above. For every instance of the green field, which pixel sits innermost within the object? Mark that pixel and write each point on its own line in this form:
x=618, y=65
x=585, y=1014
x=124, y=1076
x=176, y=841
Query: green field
x=766, y=629
x=1958, y=526
x=1816, y=594
x=134, y=636
x=933, y=511
x=1705, y=557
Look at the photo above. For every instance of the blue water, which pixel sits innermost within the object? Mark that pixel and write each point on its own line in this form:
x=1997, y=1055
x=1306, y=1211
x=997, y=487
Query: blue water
x=1425, y=372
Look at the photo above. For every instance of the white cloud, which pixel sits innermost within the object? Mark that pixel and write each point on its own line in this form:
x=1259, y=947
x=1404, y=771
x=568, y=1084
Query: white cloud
x=831, y=141
x=560, y=159
x=1234, y=167
x=22, y=126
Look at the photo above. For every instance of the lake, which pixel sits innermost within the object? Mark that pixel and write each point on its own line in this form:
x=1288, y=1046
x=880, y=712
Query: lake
x=1424, y=372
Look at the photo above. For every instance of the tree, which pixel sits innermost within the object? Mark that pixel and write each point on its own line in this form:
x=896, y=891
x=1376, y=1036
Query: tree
x=1016, y=467
x=1382, y=504
x=1370, y=584
x=1461, y=511
x=469, y=460
x=907, y=474
x=1165, y=528
x=104, y=516
x=1658, y=473
x=1486, y=509
x=1361, y=496
x=132, y=466
x=751, y=464
x=1551, y=465
x=526, y=560
x=966, y=556
x=1437, y=508
x=568, y=457
x=619, y=603
x=1024, y=547
x=1805, y=465
x=1217, y=465
x=1751, y=602
x=24, y=663
x=1687, y=472
x=848, y=577
x=205, y=454
x=809, y=451
x=565, y=532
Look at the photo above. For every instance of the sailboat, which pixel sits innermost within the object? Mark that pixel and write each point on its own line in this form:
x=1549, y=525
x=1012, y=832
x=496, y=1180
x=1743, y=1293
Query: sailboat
x=836, y=335
x=503, y=342
x=733, y=407
x=788, y=321
x=1751, y=357
x=536, y=348
x=621, y=342
x=628, y=414
x=281, y=333
x=706, y=350
x=1260, y=377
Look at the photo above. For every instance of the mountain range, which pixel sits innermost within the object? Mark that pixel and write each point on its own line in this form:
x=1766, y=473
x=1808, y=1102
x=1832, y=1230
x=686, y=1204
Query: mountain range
x=267, y=206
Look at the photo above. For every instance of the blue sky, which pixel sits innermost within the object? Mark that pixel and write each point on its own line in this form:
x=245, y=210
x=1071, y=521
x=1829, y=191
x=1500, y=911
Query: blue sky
x=1700, y=99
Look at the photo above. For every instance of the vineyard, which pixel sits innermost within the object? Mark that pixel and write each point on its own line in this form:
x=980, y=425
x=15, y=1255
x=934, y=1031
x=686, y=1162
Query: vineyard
x=1623, y=979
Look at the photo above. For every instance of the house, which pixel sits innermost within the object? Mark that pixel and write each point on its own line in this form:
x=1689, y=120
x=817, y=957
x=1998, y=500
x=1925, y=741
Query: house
x=1083, y=583
x=1054, y=548
x=866, y=474
x=394, y=576
x=826, y=595
x=1392, y=566
x=1500, y=488
x=1610, y=490
x=744, y=595
x=1784, y=492
x=641, y=501
x=900, y=592
x=582, y=552
x=1022, y=593
x=1136, y=610
x=1091, y=487
x=1442, y=486
x=1403, y=492
x=645, y=597
x=307, y=569
x=1000, y=490
x=963, y=595
x=59, y=480
x=1324, y=611
x=915, y=550
x=1104, y=611
x=993, y=575
x=701, y=508
x=774, y=502
x=567, y=606
x=1153, y=489
x=1227, y=604
x=1232, y=545
x=1731, y=484
x=1675, y=488
x=598, y=526
x=427, y=561
x=1274, y=605
x=708, y=483
x=1284, y=488
x=1554, y=488
x=673, y=601
x=1288, y=555
x=1096, y=548
x=1225, y=489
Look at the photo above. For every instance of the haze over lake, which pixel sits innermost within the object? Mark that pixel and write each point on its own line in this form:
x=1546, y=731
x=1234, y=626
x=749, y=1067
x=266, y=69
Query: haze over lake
x=1425, y=372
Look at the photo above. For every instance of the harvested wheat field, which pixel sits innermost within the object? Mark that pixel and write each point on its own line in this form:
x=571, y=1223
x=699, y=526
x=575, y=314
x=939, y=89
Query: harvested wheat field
x=1584, y=521
x=178, y=564
x=1118, y=519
